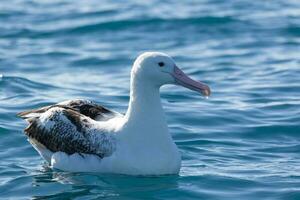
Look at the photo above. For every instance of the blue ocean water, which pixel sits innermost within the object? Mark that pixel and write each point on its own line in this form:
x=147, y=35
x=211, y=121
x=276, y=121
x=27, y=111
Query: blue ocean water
x=241, y=143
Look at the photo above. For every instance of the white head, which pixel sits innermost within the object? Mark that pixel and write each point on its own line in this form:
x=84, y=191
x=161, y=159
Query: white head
x=159, y=69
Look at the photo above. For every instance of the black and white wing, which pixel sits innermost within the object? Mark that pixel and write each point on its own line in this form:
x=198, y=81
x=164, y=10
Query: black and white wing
x=70, y=127
x=84, y=107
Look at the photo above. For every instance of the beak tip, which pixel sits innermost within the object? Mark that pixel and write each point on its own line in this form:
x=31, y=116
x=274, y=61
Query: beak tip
x=206, y=92
x=182, y=79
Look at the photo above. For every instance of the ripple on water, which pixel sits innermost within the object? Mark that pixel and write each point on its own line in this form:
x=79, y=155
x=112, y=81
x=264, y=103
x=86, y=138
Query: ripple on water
x=241, y=143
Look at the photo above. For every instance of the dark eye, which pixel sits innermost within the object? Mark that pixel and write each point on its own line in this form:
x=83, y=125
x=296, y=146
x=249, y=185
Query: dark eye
x=161, y=64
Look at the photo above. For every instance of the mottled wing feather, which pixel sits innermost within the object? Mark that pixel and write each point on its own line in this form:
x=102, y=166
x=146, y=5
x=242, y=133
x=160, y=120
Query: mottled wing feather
x=69, y=127
x=89, y=109
x=84, y=107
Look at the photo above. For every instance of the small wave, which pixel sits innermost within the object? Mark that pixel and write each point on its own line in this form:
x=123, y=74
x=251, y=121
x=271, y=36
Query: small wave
x=136, y=23
x=293, y=30
x=155, y=21
x=95, y=62
x=123, y=24
x=19, y=84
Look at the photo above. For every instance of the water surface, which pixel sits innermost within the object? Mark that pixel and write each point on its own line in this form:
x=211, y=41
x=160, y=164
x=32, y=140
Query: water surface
x=241, y=143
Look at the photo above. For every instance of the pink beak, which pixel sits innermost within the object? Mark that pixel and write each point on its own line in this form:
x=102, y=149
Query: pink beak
x=182, y=79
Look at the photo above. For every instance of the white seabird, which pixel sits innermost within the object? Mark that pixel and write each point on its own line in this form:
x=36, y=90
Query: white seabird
x=81, y=136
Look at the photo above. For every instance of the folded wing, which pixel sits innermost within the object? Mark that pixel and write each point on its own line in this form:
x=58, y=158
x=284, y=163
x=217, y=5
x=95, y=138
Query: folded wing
x=70, y=127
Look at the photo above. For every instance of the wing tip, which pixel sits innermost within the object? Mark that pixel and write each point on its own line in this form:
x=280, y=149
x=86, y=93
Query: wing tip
x=23, y=114
x=33, y=113
x=28, y=116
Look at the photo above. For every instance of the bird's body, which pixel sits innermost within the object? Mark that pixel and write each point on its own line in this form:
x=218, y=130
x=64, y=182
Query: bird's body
x=79, y=135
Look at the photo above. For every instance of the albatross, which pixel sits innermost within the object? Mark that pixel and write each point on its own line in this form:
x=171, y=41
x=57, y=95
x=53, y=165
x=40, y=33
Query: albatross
x=82, y=136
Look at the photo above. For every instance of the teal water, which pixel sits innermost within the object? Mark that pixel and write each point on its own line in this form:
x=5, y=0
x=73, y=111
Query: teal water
x=241, y=143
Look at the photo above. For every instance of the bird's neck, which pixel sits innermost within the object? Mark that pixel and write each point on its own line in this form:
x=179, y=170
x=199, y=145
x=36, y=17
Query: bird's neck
x=145, y=121
x=144, y=105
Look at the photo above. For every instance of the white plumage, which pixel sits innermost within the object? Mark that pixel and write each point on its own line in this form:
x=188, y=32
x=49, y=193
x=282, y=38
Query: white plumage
x=80, y=135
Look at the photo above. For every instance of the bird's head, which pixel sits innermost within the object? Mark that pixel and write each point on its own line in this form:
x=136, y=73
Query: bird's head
x=159, y=69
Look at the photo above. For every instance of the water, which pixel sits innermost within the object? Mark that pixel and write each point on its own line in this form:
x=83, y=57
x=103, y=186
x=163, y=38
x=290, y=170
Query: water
x=241, y=143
